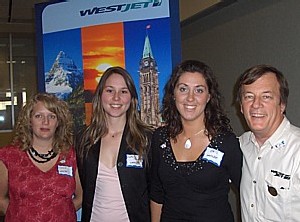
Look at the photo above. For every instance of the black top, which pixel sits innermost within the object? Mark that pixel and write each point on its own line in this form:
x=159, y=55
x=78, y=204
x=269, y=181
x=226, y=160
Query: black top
x=134, y=182
x=197, y=190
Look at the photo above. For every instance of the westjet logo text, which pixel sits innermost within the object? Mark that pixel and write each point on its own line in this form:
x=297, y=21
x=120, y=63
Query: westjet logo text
x=120, y=7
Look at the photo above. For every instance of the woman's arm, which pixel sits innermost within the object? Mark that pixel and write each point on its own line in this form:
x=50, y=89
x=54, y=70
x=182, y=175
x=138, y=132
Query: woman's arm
x=155, y=211
x=77, y=200
x=156, y=189
x=3, y=188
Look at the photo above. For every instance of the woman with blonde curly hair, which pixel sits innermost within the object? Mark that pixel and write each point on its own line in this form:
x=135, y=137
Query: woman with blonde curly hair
x=38, y=171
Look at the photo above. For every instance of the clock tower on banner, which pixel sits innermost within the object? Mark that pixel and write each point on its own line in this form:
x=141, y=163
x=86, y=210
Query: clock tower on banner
x=149, y=85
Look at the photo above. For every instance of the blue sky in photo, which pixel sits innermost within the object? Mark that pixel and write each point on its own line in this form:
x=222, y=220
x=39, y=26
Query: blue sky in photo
x=135, y=32
x=160, y=41
x=68, y=41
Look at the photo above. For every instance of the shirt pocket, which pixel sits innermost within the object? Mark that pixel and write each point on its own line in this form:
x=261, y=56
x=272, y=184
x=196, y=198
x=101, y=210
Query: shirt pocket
x=277, y=198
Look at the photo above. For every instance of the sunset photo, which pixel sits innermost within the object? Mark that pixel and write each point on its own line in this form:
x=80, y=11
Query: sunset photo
x=102, y=47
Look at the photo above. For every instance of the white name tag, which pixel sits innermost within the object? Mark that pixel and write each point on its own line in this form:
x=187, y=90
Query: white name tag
x=65, y=170
x=133, y=161
x=214, y=156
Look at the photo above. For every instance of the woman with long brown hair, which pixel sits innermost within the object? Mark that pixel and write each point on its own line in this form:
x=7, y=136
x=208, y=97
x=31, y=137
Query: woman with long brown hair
x=114, y=153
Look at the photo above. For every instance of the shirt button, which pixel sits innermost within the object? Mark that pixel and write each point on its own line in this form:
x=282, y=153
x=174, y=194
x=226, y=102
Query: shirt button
x=120, y=164
x=259, y=158
x=252, y=205
x=254, y=181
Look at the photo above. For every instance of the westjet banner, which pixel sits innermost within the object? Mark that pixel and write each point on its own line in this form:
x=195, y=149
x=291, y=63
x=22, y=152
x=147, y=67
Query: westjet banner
x=78, y=40
x=93, y=12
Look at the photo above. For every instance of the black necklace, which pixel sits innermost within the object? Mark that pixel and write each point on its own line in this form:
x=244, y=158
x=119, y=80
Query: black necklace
x=45, y=157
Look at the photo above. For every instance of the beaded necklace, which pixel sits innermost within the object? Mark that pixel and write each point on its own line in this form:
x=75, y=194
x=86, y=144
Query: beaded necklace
x=43, y=157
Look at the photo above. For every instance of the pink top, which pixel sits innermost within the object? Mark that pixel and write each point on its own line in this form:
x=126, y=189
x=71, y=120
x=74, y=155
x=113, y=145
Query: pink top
x=108, y=203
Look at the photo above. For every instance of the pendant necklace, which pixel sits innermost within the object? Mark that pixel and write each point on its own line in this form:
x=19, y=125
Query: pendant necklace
x=113, y=135
x=188, y=142
x=42, y=157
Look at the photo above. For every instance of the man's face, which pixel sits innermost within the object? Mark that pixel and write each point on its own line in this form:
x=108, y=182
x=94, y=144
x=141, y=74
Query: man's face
x=261, y=105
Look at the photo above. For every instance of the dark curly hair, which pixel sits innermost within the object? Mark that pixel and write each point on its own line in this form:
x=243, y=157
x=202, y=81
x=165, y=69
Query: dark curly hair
x=215, y=119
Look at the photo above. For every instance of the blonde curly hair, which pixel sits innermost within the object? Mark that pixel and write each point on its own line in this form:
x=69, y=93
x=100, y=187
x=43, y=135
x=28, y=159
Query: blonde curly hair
x=63, y=137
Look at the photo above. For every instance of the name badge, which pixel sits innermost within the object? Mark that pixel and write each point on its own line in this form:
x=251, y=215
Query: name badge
x=280, y=145
x=133, y=161
x=213, y=156
x=65, y=170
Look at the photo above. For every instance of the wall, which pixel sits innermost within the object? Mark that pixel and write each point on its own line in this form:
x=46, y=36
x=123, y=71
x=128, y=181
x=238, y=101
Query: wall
x=5, y=138
x=243, y=34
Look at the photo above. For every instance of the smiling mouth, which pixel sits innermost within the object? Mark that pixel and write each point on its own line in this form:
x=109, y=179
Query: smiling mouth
x=115, y=106
x=257, y=115
x=190, y=106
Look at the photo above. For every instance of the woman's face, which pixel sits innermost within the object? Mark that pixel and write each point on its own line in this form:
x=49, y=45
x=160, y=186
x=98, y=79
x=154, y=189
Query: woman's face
x=115, y=96
x=191, y=96
x=43, y=122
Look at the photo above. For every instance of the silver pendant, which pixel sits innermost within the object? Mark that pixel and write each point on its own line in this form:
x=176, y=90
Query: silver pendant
x=188, y=144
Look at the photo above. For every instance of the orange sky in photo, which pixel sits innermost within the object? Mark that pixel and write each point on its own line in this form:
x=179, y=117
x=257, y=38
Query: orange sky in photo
x=102, y=46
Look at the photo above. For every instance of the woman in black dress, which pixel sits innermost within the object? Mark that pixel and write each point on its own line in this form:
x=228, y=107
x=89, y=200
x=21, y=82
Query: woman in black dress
x=195, y=154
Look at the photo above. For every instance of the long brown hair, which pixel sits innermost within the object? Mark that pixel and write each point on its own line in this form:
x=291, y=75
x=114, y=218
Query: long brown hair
x=136, y=137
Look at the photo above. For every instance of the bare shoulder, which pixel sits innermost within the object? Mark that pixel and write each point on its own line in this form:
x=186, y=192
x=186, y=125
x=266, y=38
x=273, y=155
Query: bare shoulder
x=2, y=166
x=3, y=176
